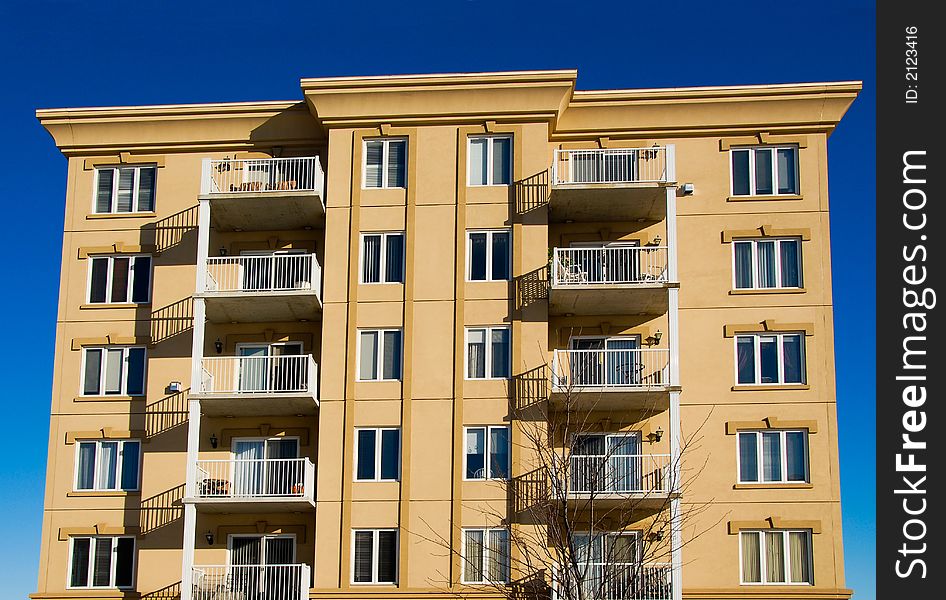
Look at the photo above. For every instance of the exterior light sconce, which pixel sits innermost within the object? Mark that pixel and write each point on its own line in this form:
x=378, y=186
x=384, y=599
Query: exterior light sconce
x=655, y=536
x=209, y=536
x=654, y=340
x=175, y=387
x=656, y=241
x=223, y=251
x=687, y=189
x=218, y=346
x=213, y=443
x=655, y=436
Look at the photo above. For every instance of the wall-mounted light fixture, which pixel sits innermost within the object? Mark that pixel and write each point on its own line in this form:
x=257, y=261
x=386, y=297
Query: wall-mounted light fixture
x=209, y=536
x=213, y=440
x=654, y=340
x=687, y=189
x=218, y=346
x=223, y=250
x=656, y=241
x=654, y=436
x=175, y=387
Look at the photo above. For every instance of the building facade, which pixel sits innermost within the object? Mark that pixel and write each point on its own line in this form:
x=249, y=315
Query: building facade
x=296, y=340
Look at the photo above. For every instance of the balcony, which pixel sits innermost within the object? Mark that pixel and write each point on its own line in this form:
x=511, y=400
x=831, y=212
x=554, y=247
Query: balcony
x=264, y=194
x=612, y=379
x=618, y=581
x=609, y=280
x=253, y=385
x=254, y=485
x=261, y=288
x=611, y=184
x=251, y=582
x=644, y=479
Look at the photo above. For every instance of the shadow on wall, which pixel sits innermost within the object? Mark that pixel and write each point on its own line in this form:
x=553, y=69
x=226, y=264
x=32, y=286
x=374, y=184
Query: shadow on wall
x=533, y=587
x=166, y=414
x=531, y=393
x=172, y=320
x=173, y=237
x=169, y=592
x=531, y=195
x=162, y=509
x=532, y=289
x=528, y=497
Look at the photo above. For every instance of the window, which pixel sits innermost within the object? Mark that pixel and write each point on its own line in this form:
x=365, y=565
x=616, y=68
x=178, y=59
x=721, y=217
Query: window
x=777, y=358
x=374, y=556
x=487, y=353
x=767, y=263
x=487, y=255
x=490, y=160
x=483, y=442
x=119, y=279
x=101, y=562
x=764, y=171
x=485, y=556
x=378, y=454
x=382, y=258
x=113, y=371
x=776, y=556
x=379, y=355
x=124, y=189
x=773, y=456
x=103, y=465
x=386, y=163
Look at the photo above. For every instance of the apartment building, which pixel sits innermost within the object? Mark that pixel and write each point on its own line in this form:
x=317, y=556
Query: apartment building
x=300, y=344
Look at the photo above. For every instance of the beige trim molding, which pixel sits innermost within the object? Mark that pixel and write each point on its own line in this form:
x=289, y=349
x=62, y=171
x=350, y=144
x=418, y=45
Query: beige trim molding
x=123, y=158
x=767, y=198
x=224, y=531
x=773, y=486
x=103, y=494
x=116, y=248
x=763, y=138
x=733, y=427
x=98, y=529
x=108, y=398
x=264, y=430
x=775, y=523
x=768, y=325
x=90, y=594
x=111, y=339
x=112, y=305
x=766, y=230
x=770, y=387
x=105, y=433
x=768, y=592
x=751, y=292
x=135, y=215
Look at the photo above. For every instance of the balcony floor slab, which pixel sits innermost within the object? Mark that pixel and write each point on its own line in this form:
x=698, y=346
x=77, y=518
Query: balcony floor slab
x=266, y=211
x=242, y=405
x=262, y=307
x=612, y=399
x=587, y=202
x=250, y=505
x=609, y=299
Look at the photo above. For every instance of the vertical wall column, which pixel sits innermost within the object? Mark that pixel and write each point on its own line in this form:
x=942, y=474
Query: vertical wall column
x=673, y=308
x=193, y=406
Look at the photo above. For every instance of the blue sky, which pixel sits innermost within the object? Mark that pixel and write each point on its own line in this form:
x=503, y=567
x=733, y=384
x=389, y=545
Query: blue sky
x=71, y=53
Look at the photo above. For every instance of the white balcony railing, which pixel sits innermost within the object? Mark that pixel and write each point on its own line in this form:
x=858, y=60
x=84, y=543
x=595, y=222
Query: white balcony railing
x=251, y=582
x=272, y=175
x=609, y=265
x=617, y=581
x=612, y=368
x=249, y=479
x=619, y=474
x=613, y=165
x=266, y=273
x=259, y=375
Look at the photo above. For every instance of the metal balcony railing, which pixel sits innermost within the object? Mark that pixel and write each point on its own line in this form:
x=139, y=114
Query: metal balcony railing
x=619, y=474
x=609, y=265
x=255, y=479
x=613, y=165
x=611, y=368
x=263, y=175
x=616, y=581
x=259, y=375
x=265, y=273
x=251, y=582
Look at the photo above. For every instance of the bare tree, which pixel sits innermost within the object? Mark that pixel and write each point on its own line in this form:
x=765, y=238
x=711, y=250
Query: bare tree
x=590, y=515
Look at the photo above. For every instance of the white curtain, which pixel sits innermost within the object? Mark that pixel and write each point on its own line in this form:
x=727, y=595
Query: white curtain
x=751, y=557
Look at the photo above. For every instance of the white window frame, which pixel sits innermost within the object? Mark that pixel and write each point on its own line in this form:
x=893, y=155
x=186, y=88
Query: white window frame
x=375, y=549
x=102, y=371
x=485, y=556
x=97, y=469
x=489, y=254
x=113, y=201
x=780, y=337
x=384, y=256
x=786, y=553
x=489, y=329
x=487, y=447
x=385, y=156
x=110, y=274
x=760, y=468
x=489, y=159
x=377, y=453
x=379, y=355
x=112, y=565
x=778, y=263
x=775, y=180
